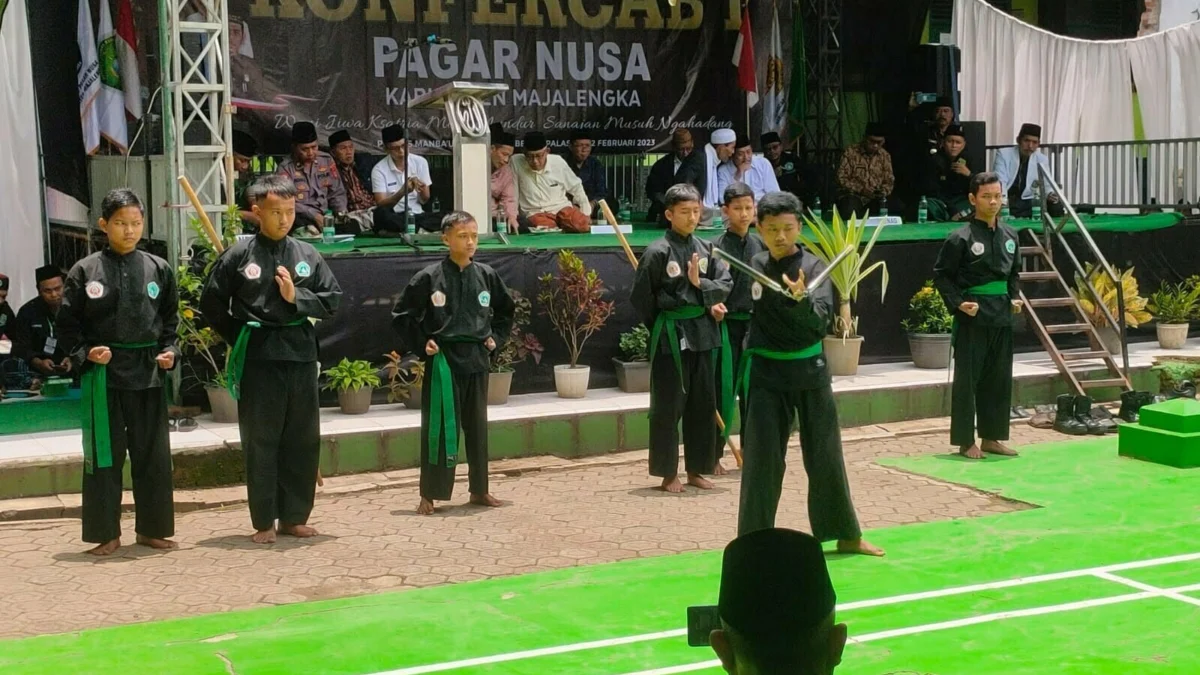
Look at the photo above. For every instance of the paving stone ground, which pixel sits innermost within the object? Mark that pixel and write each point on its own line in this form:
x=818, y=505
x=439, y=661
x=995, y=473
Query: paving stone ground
x=372, y=541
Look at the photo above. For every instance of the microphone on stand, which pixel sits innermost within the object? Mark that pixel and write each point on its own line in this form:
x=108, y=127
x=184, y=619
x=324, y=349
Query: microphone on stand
x=435, y=39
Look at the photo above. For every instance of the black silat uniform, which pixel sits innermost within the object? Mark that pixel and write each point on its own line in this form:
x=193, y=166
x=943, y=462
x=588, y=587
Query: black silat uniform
x=129, y=304
x=980, y=264
x=459, y=309
x=738, y=306
x=787, y=378
x=278, y=407
x=35, y=334
x=684, y=348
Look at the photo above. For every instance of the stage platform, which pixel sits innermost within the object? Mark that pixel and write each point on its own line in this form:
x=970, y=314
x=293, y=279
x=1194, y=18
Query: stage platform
x=387, y=437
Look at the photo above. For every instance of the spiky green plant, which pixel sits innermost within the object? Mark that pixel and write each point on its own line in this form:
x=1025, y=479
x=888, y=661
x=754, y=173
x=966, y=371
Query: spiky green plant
x=830, y=239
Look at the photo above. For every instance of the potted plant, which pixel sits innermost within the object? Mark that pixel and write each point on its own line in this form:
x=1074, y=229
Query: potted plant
x=1135, y=305
x=1174, y=305
x=519, y=346
x=404, y=376
x=354, y=382
x=633, y=372
x=928, y=327
x=826, y=241
x=573, y=301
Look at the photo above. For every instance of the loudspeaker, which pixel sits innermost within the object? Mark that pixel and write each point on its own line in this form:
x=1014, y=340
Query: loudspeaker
x=976, y=152
x=930, y=68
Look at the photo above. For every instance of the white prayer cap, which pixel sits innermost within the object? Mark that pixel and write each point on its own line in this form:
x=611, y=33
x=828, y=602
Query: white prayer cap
x=723, y=136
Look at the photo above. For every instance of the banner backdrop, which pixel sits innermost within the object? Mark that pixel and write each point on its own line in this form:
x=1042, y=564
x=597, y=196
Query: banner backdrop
x=627, y=71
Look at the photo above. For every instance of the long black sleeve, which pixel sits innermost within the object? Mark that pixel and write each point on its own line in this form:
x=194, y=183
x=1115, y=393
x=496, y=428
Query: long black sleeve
x=408, y=315
x=503, y=309
x=945, y=271
x=214, y=299
x=169, y=312
x=644, y=294
x=70, y=319
x=320, y=297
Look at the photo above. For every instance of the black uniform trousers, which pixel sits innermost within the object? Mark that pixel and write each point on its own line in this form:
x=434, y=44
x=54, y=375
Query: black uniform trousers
x=983, y=365
x=137, y=424
x=280, y=424
x=669, y=402
x=737, y=339
x=470, y=409
x=767, y=428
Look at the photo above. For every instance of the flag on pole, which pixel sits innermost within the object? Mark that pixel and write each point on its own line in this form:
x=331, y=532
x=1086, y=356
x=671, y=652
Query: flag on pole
x=112, y=98
x=798, y=92
x=87, y=79
x=775, y=101
x=743, y=58
x=131, y=80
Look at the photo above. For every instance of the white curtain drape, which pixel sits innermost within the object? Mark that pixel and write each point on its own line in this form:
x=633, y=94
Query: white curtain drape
x=21, y=226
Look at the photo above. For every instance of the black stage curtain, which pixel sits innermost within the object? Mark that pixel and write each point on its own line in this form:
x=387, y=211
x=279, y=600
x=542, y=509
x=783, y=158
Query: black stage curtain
x=54, y=55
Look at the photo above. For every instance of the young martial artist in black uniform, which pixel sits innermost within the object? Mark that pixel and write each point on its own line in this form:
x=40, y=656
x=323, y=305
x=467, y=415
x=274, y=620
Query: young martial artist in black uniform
x=678, y=291
x=456, y=312
x=978, y=273
x=260, y=296
x=784, y=377
x=119, y=317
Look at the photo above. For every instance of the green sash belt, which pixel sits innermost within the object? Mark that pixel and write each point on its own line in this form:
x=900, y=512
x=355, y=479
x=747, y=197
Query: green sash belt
x=442, y=418
x=991, y=288
x=236, y=366
x=723, y=364
x=723, y=360
x=737, y=316
x=97, y=441
x=774, y=355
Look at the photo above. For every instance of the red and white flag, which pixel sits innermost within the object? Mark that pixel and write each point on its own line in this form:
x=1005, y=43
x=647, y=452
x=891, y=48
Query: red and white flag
x=743, y=58
x=131, y=81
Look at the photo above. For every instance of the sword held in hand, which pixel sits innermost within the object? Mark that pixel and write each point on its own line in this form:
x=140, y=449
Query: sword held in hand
x=771, y=284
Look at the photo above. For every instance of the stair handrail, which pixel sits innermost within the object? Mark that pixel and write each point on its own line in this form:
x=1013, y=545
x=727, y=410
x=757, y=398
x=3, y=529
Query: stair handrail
x=1047, y=179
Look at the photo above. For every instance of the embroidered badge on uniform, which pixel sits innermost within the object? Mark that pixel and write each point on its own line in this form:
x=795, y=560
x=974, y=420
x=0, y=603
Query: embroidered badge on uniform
x=152, y=290
x=302, y=269
x=485, y=298
x=977, y=248
x=704, y=266
x=3, y=320
x=252, y=271
x=94, y=289
x=672, y=269
x=438, y=299
x=756, y=291
x=1010, y=246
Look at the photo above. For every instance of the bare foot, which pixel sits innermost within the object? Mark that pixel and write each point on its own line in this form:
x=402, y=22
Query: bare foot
x=264, y=536
x=720, y=469
x=971, y=452
x=698, y=481
x=859, y=546
x=160, y=544
x=672, y=484
x=107, y=548
x=425, y=508
x=301, y=531
x=998, y=448
x=485, y=499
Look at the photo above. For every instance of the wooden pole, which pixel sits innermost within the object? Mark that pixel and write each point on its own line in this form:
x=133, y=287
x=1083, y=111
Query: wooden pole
x=204, y=221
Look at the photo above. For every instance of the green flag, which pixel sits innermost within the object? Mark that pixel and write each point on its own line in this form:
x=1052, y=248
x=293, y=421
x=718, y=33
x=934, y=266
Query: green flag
x=798, y=91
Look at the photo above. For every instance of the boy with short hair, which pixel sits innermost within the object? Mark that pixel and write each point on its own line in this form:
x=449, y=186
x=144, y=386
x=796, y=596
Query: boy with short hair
x=456, y=312
x=678, y=291
x=260, y=296
x=119, y=318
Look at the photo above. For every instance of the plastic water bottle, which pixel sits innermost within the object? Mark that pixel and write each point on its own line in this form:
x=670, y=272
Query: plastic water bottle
x=327, y=232
x=1004, y=213
x=1037, y=201
x=410, y=222
x=883, y=207
x=923, y=210
x=271, y=166
x=625, y=212
x=498, y=221
x=816, y=209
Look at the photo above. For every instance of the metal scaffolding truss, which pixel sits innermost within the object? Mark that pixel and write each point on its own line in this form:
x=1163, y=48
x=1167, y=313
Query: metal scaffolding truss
x=823, y=57
x=197, y=109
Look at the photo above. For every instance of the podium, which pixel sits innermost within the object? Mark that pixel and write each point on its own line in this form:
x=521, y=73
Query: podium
x=468, y=120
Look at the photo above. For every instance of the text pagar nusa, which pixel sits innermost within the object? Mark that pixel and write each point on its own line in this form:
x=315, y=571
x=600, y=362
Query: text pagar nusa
x=578, y=61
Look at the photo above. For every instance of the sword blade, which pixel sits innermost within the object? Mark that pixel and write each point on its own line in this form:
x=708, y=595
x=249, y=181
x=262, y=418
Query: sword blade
x=749, y=271
x=824, y=274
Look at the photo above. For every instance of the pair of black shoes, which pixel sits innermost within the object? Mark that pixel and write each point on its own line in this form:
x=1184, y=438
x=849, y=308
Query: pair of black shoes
x=1131, y=404
x=1075, y=416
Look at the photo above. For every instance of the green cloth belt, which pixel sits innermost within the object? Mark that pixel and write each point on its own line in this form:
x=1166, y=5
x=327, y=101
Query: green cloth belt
x=723, y=360
x=442, y=418
x=723, y=365
x=236, y=365
x=991, y=288
x=748, y=356
x=737, y=316
x=97, y=441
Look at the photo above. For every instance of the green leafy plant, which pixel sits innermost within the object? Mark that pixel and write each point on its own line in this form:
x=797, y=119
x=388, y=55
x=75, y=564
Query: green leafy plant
x=635, y=344
x=1135, y=305
x=1175, y=303
x=830, y=239
x=927, y=313
x=573, y=300
x=1173, y=372
x=521, y=344
x=350, y=375
x=196, y=336
x=403, y=373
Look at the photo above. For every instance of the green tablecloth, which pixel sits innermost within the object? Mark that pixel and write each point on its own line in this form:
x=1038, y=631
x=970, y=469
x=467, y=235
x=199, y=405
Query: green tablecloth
x=38, y=414
x=640, y=237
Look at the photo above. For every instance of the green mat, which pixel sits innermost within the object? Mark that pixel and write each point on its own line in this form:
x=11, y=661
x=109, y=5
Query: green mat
x=37, y=414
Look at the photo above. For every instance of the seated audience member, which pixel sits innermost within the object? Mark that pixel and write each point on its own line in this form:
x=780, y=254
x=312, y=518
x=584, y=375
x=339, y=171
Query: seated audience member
x=244, y=150
x=549, y=194
x=400, y=183
x=683, y=165
x=588, y=168
x=789, y=170
x=318, y=187
x=948, y=179
x=746, y=167
x=865, y=176
x=7, y=316
x=1017, y=168
x=34, y=336
x=503, y=202
x=718, y=153
x=777, y=607
x=355, y=172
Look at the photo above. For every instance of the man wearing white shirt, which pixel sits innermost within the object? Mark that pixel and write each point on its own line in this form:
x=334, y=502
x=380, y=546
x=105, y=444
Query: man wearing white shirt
x=401, y=191
x=717, y=153
x=1017, y=168
x=549, y=193
x=756, y=172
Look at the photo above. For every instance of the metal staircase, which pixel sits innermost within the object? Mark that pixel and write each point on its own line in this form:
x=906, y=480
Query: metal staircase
x=1038, y=265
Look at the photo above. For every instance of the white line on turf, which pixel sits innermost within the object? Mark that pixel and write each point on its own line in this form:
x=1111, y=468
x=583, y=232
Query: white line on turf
x=1147, y=587
x=896, y=599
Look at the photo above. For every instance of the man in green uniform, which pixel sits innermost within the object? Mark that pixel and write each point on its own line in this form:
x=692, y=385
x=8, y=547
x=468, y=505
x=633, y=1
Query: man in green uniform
x=977, y=274
x=678, y=291
x=456, y=312
x=739, y=241
x=259, y=297
x=784, y=376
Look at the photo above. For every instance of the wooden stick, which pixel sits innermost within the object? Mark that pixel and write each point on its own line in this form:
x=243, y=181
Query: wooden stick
x=608, y=215
x=204, y=221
